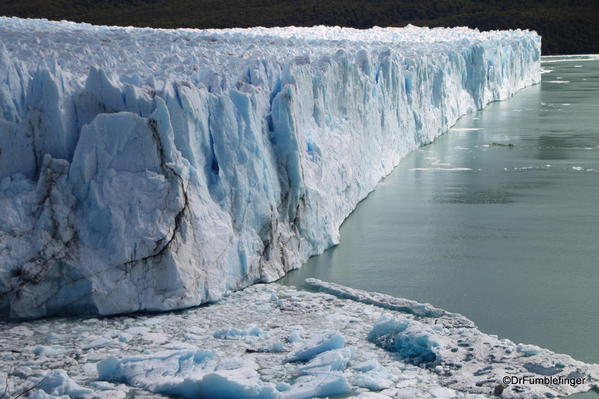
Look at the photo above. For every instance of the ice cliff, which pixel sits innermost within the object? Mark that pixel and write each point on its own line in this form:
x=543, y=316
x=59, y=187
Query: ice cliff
x=145, y=169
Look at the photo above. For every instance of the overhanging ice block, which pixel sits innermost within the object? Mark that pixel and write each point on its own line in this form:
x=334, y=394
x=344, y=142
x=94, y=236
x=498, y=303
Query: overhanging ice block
x=145, y=169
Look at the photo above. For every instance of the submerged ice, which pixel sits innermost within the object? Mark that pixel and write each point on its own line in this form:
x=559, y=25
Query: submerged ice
x=151, y=170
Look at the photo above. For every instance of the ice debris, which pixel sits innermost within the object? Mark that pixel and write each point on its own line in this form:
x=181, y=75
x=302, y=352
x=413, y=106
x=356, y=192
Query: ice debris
x=339, y=346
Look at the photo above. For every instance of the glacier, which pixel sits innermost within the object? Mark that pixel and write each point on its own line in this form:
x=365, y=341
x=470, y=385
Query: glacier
x=150, y=170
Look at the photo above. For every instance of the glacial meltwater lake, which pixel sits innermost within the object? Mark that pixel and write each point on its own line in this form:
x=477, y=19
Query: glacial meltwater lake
x=497, y=220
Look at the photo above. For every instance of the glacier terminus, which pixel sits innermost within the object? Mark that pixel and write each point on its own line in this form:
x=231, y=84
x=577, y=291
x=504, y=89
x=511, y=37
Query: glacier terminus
x=152, y=170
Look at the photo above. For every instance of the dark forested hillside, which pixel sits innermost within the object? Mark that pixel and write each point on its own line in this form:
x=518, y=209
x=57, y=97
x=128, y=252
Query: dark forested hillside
x=567, y=26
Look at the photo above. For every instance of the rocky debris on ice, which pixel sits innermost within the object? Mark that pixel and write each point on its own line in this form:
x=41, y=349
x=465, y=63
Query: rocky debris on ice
x=326, y=346
x=152, y=170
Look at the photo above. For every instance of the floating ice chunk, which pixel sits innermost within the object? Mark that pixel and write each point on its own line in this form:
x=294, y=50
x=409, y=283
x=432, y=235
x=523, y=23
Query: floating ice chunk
x=190, y=375
x=372, y=395
x=367, y=365
x=528, y=350
x=283, y=386
x=415, y=342
x=294, y=337
x=220, y=385
x=39, y=394
x=441, y=169
x=132, y=370
x=99, y=342
x=466, y=129
x=374, y=298
x=373, y=376
x=318, y=386
x=375, y=380
x=316, y=346
x=273, y=347
x=58, y=383
x=560, y=59
x=234, y=333
x=49, y=351
x=442, y=392
x=333, y=360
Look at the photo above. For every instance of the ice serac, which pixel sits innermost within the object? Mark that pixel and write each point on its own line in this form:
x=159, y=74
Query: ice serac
x=151, y=170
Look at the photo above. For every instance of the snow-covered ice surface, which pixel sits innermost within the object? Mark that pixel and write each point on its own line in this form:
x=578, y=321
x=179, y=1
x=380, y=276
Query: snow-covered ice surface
x=280, y=342
x=150, y=170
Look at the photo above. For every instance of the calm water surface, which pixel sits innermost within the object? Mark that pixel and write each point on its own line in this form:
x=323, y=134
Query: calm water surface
x=512, y=243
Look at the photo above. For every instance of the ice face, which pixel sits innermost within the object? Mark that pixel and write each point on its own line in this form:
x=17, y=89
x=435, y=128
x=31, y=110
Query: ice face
x=146, y=169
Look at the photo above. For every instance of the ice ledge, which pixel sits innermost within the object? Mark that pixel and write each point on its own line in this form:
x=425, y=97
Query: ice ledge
x=154, y=170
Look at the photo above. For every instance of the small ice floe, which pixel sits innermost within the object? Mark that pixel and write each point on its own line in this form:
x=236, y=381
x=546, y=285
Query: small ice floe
x=581, y=169
x=316, y=346
x=318, y=386
x=568, y=58
x=415, y=342
x=49, y=350
x=505, y=145
x=57, y=383
x=466, y=129
x=234, y=333
x=440, y=169
x=333, y=360
x=439, y=163
x=98, y=342
x=374, y=376
x=374, y=380
x=377, y=299
x=528, y=350
x=525, y=168
x=557, y=81
x=199, y=374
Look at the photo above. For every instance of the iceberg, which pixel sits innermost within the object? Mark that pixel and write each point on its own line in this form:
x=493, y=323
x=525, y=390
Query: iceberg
x=152, y=170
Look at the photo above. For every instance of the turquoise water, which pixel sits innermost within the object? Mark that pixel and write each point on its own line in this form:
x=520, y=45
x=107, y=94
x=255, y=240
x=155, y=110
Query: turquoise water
x=512, y=242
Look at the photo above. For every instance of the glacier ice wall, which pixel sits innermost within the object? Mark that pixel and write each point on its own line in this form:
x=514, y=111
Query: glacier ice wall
x=145, y=169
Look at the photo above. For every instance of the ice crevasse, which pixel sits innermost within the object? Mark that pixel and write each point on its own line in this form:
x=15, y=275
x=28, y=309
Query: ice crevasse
x=146, y=169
